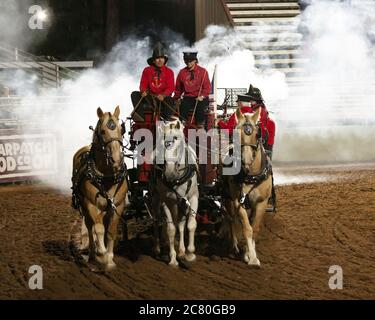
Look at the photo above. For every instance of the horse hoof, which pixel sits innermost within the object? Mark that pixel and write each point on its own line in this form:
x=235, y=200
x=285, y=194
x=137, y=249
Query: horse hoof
x=191, y=257
x=101, y=259
x=110, y=266
x=254, y=263
x=246, y=258
x=173, y=264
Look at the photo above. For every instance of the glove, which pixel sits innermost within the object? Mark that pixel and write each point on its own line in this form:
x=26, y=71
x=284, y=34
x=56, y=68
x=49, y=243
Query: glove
x=200, y=98
x=144, y=93
x=160, y=97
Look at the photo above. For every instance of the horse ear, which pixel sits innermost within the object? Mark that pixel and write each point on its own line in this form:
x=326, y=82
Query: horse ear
x=256, y=115
x=239, y=115
x=99, y=112
x=178, y=125
x=117, y=112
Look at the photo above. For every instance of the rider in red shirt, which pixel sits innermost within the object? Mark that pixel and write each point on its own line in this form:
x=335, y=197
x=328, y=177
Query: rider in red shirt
x=250, y=102
x=157, y=82
x=194, y=86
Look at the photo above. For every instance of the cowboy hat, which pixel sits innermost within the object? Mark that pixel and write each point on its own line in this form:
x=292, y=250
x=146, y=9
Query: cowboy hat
x=158, y=51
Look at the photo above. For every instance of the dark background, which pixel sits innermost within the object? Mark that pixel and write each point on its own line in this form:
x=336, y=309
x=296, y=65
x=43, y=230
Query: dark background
x=86, y=29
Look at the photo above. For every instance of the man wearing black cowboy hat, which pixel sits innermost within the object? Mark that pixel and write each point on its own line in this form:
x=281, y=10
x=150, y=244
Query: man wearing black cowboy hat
x=194, y=85
x=253, y=100
x=157, y=84
x=249, y=103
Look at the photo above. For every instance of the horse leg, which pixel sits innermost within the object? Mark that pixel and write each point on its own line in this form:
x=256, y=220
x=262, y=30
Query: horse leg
x=250, y=254
x=97, y=231
x=234, y=237
x=181, y=228
x=232, y=223
x=156, y=220
x=85, y=241
x=112, y=234
x=192, y=226
x=258, y=218
x=171, y=231
x=89, y=224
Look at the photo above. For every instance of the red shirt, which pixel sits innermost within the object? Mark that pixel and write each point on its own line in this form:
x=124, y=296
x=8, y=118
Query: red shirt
x=265, y=123
x=157, y=83
x=200, y=85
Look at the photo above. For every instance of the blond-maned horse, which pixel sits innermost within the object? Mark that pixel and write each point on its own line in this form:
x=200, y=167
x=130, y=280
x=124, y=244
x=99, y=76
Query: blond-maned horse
x=249, y=191
x=100, y=186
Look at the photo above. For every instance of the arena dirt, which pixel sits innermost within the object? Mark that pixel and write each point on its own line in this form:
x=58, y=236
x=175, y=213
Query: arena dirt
x=317, y=225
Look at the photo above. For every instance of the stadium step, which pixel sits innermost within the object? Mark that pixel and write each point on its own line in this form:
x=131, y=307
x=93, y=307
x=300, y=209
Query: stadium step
x=270, y=31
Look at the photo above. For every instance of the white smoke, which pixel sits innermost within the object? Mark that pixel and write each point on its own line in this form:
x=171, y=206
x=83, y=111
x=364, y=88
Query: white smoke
x=112, y=83
x=338, y=43
x=225, y=48
x=332, y=111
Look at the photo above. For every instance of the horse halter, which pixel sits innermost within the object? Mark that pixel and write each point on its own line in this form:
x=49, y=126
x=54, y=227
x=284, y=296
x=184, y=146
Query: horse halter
x=111, y=125
x=168, y=144
x=249, y=128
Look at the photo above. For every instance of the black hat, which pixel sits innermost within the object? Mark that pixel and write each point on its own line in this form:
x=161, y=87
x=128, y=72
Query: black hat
x=190, y=56
x=158, y=51
x=253, y=94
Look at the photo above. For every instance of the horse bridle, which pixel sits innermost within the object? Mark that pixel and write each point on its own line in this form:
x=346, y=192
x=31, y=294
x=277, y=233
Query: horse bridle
x=168, y=143
x=111, y=125
x=249, y=129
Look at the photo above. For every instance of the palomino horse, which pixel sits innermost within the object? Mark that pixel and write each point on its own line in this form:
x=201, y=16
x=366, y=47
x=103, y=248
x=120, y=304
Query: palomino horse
x=100, y=187
x=250, y=190
x=175, y=191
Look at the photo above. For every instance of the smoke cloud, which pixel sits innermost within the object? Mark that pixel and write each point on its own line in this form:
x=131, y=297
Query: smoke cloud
x=71, y=109
x=327, y=118
x=330, y=115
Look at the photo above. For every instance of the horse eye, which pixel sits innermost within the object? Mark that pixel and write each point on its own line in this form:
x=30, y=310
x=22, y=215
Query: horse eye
x=111, y=125
x=102, y=131
x=248, y=129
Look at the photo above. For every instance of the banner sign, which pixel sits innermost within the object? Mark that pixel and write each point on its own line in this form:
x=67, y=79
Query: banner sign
x=25, y=155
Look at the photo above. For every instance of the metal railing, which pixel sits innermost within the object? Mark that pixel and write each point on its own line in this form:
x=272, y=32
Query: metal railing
x=48, y=72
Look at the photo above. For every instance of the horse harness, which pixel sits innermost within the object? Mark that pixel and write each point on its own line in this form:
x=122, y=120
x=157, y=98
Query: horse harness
x=252, y=179
x=186, y=177
x=88, y=171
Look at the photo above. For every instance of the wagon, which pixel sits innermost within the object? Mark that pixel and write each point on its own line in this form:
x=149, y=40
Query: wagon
x=210, y=210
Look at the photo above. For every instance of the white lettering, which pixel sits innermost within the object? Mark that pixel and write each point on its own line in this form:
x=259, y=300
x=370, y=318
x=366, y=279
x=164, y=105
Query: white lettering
x=36, y=280
x=8, y=149
x=36, y=21
x=2, y=150
x=336, y=281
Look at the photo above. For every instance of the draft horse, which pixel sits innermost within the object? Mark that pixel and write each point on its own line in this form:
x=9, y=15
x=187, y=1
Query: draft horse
x=100, y=186
x=175, y=192
x=248, y=192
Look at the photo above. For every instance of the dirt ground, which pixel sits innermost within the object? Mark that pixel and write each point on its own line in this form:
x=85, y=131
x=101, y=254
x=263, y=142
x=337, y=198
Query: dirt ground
x=317, y=225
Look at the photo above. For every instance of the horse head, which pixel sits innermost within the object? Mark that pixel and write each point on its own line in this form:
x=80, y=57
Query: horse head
x=174, y=149
x=108, y=137
x=250, y=137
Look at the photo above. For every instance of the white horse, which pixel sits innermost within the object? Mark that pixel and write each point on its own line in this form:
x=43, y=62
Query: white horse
x=175, y=192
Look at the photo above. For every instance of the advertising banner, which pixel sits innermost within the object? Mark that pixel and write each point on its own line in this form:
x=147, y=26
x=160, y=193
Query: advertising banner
x=27, y=155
